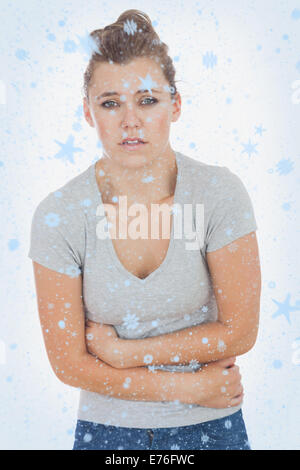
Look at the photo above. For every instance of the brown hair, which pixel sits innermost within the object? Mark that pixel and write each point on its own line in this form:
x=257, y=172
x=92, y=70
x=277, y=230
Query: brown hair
x=130, y=37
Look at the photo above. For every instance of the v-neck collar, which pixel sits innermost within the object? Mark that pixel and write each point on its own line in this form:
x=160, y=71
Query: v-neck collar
x=171, y=246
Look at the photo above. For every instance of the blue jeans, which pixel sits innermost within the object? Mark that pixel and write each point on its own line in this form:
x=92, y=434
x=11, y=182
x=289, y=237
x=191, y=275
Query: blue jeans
x=227, y=433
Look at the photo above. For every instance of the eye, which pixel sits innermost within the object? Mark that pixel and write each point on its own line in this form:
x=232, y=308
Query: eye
x=105, y=102
x=153, y=101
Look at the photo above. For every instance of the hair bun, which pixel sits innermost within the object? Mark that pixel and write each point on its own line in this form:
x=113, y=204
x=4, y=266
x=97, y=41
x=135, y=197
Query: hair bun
x=139, y=17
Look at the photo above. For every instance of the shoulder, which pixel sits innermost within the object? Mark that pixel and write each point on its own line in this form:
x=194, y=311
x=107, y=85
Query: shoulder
x=71, y=198
x=59, y=223
x=210, y=180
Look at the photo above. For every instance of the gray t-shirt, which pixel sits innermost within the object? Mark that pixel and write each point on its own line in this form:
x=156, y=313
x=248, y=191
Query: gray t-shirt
x=177, y=295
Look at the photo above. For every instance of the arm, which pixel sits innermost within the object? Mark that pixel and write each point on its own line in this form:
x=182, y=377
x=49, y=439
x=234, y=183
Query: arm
x=236, y=279
x=62, y=320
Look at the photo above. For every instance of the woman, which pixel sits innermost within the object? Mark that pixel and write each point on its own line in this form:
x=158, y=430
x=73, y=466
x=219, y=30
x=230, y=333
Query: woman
x=148, y=328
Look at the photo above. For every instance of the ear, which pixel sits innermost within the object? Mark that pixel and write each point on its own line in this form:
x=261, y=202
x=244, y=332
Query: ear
x=87, y=113
x=176, y=101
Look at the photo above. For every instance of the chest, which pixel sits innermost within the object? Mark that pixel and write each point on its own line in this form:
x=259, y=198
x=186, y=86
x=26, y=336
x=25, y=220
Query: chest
x=147, y=239
x=159, y=296
x=144, y=286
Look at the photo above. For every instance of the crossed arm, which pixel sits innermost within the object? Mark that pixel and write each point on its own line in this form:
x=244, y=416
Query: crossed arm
x=236, y=279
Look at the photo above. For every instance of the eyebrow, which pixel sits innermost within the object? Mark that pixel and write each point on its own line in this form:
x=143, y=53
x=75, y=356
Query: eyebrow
x=113, y=93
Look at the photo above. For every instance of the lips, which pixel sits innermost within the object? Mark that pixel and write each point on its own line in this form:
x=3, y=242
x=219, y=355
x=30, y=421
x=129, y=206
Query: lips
x=140, y=141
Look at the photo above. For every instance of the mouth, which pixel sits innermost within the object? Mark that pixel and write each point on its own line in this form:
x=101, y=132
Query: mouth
x=133, y=144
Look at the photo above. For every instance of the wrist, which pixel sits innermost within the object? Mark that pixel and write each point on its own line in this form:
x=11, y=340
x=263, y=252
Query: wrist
x=175, y=386
x=191, y=386
x=129, y=353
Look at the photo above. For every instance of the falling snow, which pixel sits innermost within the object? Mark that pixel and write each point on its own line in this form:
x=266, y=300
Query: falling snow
x=61, y=324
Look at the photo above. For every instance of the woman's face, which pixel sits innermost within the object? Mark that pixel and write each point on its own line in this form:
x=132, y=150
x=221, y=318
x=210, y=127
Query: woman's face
x=132, y=113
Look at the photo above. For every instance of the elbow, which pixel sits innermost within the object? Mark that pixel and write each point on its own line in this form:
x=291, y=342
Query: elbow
x=61, y=374
x=68, y=372
x=241, y=337
x=252, y=337
x=245, y=344
x=248, y=346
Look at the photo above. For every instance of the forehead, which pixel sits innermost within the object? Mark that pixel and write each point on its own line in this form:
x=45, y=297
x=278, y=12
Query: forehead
x=131, y=77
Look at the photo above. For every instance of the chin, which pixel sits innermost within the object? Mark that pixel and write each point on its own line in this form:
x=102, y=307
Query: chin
x=133, y=159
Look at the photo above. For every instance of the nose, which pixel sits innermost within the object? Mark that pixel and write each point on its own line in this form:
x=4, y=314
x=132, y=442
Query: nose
x=130, y=116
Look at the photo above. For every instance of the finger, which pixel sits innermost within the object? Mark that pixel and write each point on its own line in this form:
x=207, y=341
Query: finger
x=231, y=361
x=237, y=400
x=92, y=323
x=228, y=362
x=239, y=391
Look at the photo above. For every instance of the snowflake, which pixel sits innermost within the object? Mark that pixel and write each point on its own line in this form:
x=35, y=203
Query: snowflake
x=228, y=424
x=67, y=150
x=259, y=130
x=148, y=359
x=194, y=364
x=148, y=83
x=249, y=148
x=61, y=324
x=148, y=179
x=221, y=346
x=89, y=45
x=295, y=14
x=175, y=359
x=175, y=447
x=209, y=60
x=130, y=27
x=72, y=271
x=87, y=437
x=86, y=202
x=229, y=231
x=204, y=438
x=284, y=308
x=126, y=383
x=284, y=166
x=52, y=219
x=131, y=321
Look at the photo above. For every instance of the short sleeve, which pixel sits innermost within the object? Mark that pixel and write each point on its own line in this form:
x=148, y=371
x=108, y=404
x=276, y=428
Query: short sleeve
x=52, y=242
x=232, y=215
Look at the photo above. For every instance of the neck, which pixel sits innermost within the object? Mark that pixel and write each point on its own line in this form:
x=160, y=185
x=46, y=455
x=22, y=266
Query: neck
x=151, y=183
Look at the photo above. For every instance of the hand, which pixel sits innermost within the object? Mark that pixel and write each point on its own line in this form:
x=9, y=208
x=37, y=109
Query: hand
x=222, y=386
x=102, y=340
